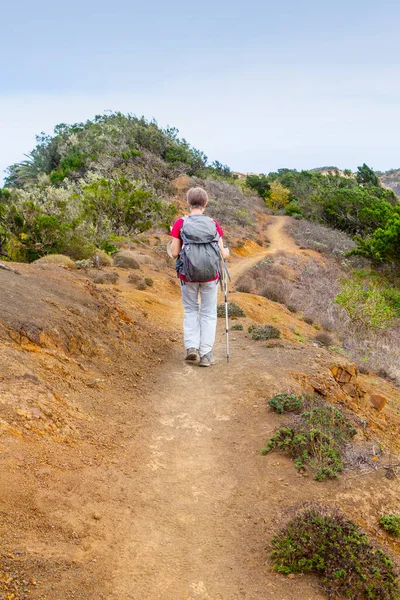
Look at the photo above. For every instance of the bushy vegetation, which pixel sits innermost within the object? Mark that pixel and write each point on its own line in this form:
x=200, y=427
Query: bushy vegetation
x=92, y=182
x=391, y=524
x=264, y=332
x=367, y=322
x=234, y=310
x=282, y=403
x=357, y=205
x=316, y=439
x=325, y=542
x=366, y=304
x=315, y=236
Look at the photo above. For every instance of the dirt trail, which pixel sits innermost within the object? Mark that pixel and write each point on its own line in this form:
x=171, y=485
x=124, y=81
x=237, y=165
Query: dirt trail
x=202, y=502
x=126, y=472
x=278, y=241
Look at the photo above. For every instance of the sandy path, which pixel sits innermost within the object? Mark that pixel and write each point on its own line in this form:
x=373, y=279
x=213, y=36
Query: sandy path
x=201, y=501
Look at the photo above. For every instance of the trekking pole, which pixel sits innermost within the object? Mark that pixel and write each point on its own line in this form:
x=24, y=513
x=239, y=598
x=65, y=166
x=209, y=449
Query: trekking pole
x=226, y=277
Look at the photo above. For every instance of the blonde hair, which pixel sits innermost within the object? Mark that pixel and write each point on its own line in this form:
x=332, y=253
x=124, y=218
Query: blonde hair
x=197, y=197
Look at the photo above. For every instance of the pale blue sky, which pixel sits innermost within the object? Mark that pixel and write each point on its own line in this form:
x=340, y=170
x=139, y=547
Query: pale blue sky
x=256, y=85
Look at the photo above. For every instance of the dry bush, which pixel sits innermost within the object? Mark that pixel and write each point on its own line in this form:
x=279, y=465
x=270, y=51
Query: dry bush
x=125, y=260
x=104, y=260
x=59, y=260
x=141, y=285
x=134, y=278
x=380, y=351
x=276, y=290
x=110, y=278
x=314, y=236
x=314, y=292
x=265, y=279
x=140, y=257
x=324, y=339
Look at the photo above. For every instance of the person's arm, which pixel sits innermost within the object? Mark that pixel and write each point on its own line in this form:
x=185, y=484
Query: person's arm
x=224, y=251
x=176, y=246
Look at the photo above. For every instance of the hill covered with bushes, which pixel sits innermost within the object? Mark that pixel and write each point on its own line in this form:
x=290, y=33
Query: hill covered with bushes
x=91, y=183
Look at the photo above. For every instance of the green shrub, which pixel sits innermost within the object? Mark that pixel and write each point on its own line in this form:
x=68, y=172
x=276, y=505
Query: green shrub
x=264, y=332
x=366, y=305
x=234, y=310
x=237, y=327
x=325, y=542
x=314, y=440
x=293, y=209
x=148, y=281
x=391, y=524
x=286, y=403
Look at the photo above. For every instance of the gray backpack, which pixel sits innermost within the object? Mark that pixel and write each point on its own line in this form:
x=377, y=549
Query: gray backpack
x=200, y=257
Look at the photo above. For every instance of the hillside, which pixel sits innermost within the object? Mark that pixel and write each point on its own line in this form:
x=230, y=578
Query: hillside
x=128, y=473
x=96, y=184
x=391, y=179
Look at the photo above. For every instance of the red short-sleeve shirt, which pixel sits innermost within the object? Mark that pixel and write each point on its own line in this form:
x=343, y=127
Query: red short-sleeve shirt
x=176, y=233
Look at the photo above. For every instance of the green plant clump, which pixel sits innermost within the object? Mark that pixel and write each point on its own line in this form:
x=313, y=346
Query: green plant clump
x=264, y=332
x=237, y=327
x=315, y=440
x=286, y=403
x=391, y=524
x=234, y=310
x=324, y=542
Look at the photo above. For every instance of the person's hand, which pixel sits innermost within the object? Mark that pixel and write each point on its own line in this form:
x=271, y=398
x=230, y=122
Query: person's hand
x=225, y=252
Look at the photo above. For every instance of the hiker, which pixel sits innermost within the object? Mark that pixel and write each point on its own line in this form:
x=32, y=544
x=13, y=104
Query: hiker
x=198, y=247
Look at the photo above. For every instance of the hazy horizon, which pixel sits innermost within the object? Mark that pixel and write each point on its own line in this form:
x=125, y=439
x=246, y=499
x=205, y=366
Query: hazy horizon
x=257, y=87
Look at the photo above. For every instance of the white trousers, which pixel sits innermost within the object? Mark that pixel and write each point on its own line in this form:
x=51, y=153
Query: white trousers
x=200, y=318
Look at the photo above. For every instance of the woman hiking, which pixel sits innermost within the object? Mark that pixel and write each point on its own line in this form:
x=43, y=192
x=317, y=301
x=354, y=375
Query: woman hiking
x=198, y=247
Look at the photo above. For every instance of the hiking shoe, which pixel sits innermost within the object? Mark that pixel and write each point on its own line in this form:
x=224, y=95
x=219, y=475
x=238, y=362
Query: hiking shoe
x=207, y=360
x=192, y=354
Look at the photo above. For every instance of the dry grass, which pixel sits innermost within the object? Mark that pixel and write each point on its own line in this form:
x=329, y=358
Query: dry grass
x=126, y=259
x=315, y=236
x=267, y=279
x=312, y=293
x=102, y=277
x=104, y=260
x=59, y=260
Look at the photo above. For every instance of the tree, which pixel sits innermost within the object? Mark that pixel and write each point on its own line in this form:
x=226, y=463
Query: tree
x=119, y=206
x=366, y=176
x=355, y=210
x=384, y=244
x=278, y=197
x=259, y=183
x=4, y=212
